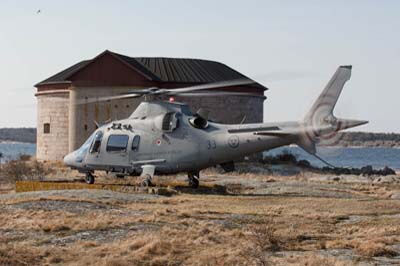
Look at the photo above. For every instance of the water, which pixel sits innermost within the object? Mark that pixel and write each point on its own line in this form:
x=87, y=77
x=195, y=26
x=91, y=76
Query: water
x=12, y=151
x=347, y=157
x=343, y=157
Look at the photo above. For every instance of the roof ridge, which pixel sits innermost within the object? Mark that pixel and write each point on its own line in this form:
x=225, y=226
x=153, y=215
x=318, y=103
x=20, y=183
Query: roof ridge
x=176, y=58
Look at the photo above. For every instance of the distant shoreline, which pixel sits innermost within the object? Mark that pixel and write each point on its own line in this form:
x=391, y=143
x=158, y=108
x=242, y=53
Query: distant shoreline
x=366, y=145
x=18, y=135
x=15, y=142
x=359, y=147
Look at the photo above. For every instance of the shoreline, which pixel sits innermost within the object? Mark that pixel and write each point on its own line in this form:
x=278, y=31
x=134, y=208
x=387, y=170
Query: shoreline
x=15, y=142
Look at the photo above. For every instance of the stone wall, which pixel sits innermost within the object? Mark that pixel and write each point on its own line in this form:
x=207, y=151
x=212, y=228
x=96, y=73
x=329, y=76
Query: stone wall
x=52, y=109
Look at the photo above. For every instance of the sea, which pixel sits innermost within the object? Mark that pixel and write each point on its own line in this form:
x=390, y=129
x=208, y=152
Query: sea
x=353, y=157
x=337, y=156
x=13, y=150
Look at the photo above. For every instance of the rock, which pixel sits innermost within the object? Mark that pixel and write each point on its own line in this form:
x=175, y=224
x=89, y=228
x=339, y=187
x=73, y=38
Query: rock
x=388, y=171
x=395, y=195
x=346, y=171
x=326, y=169
x=338, y=171
x=304, y=164
x=355, y=171
x=219, y=189
x=287, y=157
x=162, y=191
x=367, y=170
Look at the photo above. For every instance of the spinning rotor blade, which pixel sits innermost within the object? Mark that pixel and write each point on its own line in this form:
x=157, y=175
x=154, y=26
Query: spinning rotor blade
x=108, y=98
x=214, y=93
x=186, y=91
x=214, y=85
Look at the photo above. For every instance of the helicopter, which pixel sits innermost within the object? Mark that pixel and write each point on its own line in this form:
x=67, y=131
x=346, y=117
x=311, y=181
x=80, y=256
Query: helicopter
x=165, y=137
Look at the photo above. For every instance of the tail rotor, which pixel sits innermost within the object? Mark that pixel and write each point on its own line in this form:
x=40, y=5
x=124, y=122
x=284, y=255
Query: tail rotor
x=320, y=124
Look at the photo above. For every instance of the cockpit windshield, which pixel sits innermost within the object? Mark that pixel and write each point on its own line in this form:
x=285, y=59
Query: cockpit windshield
x=97, y=142
x=82, y=151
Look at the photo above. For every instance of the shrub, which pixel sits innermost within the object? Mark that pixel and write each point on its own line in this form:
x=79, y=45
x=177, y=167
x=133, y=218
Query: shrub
x=16, y=170
x=24, y=157
x=19, y=170
x=263, y=239
x=283, y=158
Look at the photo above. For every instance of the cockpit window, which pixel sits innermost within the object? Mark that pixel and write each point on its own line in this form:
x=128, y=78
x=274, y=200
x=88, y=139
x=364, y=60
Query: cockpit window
x=82, y=151
x=170, y=122
x=97, y=142
x=117, y=143
x=135, y=143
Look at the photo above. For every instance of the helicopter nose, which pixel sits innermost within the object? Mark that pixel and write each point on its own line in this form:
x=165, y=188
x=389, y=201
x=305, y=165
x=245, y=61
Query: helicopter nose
x=69, y=159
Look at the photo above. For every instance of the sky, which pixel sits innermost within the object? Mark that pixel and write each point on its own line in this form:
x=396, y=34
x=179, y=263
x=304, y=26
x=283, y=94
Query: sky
x=291, y=47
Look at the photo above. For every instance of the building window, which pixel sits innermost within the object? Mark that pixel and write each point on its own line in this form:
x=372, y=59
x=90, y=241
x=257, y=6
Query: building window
x=46, y=128
x=117, y=143
x=86, y=127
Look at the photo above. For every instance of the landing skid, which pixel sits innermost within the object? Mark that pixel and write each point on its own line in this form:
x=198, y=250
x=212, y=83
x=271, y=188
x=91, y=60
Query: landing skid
x=147, y=182
x=193, y=179
x=89, y=178
x=148, y=174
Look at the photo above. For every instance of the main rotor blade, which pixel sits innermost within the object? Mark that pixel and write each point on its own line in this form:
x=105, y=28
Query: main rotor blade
x=214, y=93
x=142, y=91
x=179, y=91
x=108, y=98
x=214, y=85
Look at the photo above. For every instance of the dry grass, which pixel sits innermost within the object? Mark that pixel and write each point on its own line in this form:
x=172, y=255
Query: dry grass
x=21, y=256
x=207, y=230
x=204, y=229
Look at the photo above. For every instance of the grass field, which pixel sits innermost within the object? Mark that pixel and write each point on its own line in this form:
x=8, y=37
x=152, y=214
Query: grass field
x=265, y=220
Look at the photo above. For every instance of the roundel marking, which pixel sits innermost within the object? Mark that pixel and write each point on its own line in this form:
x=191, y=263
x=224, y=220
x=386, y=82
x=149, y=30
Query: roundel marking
x=233, y=141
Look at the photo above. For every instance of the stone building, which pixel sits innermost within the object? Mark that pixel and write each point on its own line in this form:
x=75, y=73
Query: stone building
x=63, y=125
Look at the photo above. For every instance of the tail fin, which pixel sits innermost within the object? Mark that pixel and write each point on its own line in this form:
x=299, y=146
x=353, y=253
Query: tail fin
x=326, y=102
x=320, y=123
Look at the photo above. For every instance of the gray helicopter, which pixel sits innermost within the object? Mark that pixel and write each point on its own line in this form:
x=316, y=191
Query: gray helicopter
x=162, y=137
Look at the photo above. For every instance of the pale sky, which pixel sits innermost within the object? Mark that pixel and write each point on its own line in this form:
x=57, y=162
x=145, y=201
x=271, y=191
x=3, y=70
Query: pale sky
x=292, y=47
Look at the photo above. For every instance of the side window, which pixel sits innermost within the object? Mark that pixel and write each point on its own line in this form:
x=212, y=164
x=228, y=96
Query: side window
x=46, y=128
x=135, y=143
x=97, y=142
x=117, y=142
x=170, y=122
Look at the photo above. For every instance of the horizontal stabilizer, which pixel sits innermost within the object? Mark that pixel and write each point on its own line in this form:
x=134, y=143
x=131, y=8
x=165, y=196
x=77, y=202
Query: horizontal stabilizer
x=349, y=123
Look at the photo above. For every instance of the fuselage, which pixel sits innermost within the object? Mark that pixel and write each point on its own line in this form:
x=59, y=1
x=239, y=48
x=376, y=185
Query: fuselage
x=124, y=146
